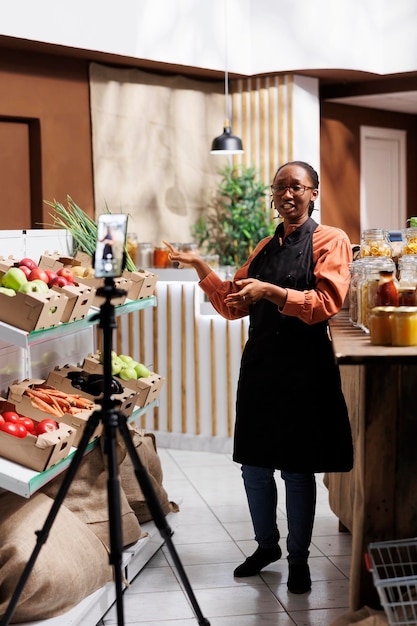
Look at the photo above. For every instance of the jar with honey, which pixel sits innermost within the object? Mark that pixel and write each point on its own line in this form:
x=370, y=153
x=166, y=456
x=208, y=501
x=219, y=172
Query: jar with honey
x=404, y=326
x=380, y=325
x=376, y=242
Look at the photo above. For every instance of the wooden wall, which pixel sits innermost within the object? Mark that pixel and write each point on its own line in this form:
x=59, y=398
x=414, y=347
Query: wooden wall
x=45, y=136
x=340, y=161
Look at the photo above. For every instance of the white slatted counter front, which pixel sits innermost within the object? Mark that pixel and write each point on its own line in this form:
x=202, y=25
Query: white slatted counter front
x=198, y=353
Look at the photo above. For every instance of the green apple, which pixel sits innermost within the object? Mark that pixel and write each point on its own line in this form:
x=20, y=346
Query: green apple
x=14, y=278
x=142, y=371
x=128, y=373
x=34, y=286
x=126, y=359
x=116, y=365
x=7, y=292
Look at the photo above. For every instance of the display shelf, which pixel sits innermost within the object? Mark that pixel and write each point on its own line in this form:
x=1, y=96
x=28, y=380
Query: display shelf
x=25, y=482
x=24, y=339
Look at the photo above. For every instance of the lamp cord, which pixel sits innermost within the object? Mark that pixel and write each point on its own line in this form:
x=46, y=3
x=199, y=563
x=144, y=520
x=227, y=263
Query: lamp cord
x=226, y=73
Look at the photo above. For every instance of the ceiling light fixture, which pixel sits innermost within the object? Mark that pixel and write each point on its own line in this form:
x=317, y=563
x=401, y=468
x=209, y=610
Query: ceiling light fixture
x=226, y=143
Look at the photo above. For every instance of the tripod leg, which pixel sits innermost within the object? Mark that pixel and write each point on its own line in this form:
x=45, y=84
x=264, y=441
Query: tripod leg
x=158, y=515
x=42, y=535
x=114, y=507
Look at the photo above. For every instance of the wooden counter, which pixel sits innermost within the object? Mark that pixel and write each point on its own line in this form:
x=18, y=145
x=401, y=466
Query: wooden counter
x=377, y=500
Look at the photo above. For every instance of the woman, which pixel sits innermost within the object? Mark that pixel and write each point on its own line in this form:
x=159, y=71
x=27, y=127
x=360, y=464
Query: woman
x=290, y=411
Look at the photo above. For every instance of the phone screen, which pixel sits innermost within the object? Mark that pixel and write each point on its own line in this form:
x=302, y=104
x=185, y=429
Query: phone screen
x=110, y=248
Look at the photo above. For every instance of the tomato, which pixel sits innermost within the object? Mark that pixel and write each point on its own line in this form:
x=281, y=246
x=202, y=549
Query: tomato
x=38, y=274
x=11, y=416
x=18, y=430
x=67, y=273
x=46, y=426
x=2, y=420
x=27, y=423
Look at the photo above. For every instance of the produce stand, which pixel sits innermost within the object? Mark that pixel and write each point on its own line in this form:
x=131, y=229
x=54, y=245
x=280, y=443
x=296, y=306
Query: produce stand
x=25, y=482
x=377, y=500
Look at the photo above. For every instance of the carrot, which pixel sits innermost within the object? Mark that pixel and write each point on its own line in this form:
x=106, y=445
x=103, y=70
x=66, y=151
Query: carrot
x=44, y=406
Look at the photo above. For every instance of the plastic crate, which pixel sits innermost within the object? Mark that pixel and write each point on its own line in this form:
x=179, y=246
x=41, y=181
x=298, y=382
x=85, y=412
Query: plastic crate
x=394, y=569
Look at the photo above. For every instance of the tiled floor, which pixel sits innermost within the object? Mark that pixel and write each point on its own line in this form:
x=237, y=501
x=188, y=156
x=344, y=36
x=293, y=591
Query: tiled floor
x=214, y=535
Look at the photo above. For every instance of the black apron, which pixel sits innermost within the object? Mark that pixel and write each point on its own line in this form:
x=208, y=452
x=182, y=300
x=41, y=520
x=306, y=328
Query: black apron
x=290, y=409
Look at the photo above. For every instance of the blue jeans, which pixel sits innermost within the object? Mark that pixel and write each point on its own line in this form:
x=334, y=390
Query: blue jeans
x=261, y=492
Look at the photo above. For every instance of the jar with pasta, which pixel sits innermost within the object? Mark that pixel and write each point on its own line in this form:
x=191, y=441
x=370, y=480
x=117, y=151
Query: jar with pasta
x=375, y=242
x=409, y=236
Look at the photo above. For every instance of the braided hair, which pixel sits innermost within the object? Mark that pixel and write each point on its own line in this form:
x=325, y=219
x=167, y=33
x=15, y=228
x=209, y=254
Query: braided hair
x=312, y=174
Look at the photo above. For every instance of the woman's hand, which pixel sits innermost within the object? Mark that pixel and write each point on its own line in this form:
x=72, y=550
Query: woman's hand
x=252, y=290
x=189, y=259
x=183, y=258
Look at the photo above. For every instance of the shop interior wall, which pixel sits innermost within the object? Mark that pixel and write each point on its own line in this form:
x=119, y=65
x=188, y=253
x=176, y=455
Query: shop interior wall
x=340, y=161
x=45, y=136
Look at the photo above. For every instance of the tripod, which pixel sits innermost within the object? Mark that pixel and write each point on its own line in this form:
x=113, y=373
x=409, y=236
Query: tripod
x=112, y=420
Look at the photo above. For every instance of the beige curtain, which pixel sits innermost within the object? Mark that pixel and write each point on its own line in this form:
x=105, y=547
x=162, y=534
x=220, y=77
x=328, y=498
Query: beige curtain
x=151, y=148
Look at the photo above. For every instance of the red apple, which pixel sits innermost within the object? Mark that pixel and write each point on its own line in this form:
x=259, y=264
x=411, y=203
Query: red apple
x=25, y=269
x=59, y=281
x=38, y=274
x=51, y=275
x=30, y=263
x=67, y=273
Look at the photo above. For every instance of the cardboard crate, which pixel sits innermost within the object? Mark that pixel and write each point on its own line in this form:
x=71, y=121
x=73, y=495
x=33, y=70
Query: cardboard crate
x=120, y=283
x=36, y=452
x=80, y=300
x=148, y=389
x=33, y=311
x=58, y=378
x=143, y=284
x=24, y=406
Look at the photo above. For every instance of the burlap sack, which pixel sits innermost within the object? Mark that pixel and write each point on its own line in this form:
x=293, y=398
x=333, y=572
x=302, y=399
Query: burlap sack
x=365, y=616
x=87, y=498
x=72, y=563
x=145, y=445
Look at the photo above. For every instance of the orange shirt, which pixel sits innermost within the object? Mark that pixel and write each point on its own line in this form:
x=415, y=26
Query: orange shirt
x=332, y=254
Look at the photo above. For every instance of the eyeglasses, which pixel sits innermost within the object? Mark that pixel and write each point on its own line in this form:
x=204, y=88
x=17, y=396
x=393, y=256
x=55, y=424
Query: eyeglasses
x=296, y=190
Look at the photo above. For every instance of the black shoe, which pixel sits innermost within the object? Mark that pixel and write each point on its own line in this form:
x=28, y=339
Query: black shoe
x=257, y=561
x=299, y=580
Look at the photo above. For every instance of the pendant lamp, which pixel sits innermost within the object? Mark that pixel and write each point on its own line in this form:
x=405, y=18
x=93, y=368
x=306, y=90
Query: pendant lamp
x=226, y=143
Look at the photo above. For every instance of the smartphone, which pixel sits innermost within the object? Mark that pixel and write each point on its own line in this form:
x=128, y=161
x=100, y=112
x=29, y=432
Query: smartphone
x=110, y=248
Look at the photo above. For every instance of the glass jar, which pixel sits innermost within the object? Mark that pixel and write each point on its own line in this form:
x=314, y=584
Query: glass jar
x=375, y=242
x=407, y=282
x=386, y=292
x=404, y=326
x=144, y=255
x=357, y=269
x=370, y=283
x=380, y=325
x=160, y=257
x=409, y=241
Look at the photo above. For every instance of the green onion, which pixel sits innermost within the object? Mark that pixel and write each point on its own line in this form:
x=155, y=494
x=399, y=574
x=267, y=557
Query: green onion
x=81, y=227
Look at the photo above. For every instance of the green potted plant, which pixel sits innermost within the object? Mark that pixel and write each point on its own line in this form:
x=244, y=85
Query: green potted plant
x=236, y=219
